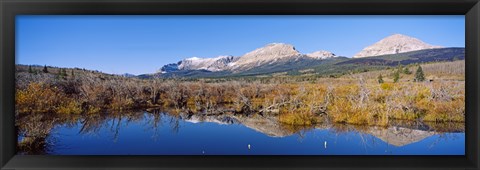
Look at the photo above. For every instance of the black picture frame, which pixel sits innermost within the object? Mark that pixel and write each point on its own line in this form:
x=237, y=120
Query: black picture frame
x=10, y=8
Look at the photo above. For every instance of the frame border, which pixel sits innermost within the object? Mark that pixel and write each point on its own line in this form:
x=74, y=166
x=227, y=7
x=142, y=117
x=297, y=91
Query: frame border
x=10, y=8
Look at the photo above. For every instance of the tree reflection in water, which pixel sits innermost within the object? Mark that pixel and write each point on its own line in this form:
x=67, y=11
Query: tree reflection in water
x=36, y=135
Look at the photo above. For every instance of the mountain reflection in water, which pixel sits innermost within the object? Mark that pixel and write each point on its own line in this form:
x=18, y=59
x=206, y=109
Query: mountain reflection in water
x=158, y=132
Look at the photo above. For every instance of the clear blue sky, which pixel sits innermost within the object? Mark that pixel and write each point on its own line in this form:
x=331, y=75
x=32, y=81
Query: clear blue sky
x=143, y=44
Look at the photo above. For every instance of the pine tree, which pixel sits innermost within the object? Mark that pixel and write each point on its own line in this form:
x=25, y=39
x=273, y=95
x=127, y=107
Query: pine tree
x=72, y=73
x=400, y=67
x=396, y=76
x=419, y=76
x=380, y=79
x=30, y=69
x=64, y=72
x=45, y=70
x=406, y=71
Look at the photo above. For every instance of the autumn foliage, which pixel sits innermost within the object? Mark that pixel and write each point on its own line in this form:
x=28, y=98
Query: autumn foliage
x=353, y=100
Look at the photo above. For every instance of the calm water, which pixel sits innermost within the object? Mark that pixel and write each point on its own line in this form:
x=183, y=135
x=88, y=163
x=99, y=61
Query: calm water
x=144, y=133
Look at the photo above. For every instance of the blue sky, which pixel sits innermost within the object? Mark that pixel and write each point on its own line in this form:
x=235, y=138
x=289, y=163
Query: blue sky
x=143, y=44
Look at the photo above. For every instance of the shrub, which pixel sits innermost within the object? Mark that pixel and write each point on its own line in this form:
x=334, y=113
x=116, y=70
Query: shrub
x=387, y=86
x=39, y=97
x=298, y=118
x=70, y=107
x=396, y=76
x=380, y=79
x=344, y=100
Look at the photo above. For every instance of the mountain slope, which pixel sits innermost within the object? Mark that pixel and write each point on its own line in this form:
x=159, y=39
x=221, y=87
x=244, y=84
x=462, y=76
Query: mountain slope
x=271, y=54
x=268, y=54
x=211, y=64
x=420, y=56
x=275, y=58
x=394, y=44
x=332, y=66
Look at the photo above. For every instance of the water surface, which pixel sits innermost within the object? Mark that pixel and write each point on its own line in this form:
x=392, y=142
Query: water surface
x=160, y=133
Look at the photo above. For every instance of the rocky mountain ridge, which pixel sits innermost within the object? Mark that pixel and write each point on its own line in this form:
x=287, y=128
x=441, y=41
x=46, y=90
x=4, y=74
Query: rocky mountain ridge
x=269, y=54
x=394, y=44
x=281, y=55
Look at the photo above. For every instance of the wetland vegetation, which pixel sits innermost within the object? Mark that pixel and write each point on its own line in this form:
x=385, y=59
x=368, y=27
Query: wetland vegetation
x=49, y=96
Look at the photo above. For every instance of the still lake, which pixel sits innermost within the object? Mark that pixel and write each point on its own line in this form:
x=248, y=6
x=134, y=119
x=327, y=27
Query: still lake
x=159, y=133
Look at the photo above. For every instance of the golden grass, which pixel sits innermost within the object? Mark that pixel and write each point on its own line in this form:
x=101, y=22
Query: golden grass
x=299, y=118
x=296, y=103
x=342, y=100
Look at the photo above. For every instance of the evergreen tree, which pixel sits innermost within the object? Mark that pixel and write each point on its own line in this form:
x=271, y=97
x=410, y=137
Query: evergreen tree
x=396, y=76
x=380, y=79
x=72, y=73
x=64, y=72
x=45, y=70
x=400, y=67
x=406, y=71
x=419, y=76
x=60, y=74
x=30, y=69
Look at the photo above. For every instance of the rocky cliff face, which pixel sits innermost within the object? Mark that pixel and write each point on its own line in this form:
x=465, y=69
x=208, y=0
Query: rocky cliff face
x=169, y=68
x=211, y=64
x=394, y=44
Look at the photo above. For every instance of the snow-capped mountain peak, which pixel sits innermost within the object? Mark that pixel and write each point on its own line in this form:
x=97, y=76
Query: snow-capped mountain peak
x=211, y=64
x=321, y=54
x=194, y=58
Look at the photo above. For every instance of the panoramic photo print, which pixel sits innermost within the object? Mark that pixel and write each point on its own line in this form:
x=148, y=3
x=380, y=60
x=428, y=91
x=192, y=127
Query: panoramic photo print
x=240, y=85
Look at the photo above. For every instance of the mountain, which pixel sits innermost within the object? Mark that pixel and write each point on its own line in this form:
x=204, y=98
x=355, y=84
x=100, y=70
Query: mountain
x=420, y=56
x=283, y=59
x=211, y=64
x=321, y=55
x=169, y=68
x=128, y=75
x=268, y=54
x=333, y=66
x=394, y=44
x=341, y=65
x=399, y=136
